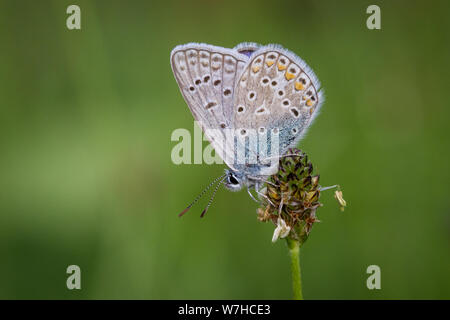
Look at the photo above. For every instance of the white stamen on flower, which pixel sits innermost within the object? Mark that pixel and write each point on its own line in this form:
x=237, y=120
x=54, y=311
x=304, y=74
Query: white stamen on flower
x=281, y=231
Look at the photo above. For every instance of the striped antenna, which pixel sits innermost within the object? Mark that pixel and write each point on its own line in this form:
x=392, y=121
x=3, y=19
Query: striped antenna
x=201, y=195
x=212, y=197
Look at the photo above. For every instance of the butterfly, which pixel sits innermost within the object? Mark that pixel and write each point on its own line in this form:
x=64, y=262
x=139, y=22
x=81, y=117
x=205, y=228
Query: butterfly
x=253, y=102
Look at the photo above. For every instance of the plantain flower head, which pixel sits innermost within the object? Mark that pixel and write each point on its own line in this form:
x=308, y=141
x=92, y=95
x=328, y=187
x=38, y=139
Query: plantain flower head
x=291, y=197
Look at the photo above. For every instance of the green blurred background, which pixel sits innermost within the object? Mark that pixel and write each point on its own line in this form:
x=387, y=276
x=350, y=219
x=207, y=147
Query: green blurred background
x=86, y=177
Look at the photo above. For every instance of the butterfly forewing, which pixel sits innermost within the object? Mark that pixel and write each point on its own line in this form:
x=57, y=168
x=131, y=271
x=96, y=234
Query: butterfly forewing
x=206, y=76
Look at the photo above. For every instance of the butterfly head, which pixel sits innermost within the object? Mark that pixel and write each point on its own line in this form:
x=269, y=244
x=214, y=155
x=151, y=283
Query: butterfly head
x=234, y=180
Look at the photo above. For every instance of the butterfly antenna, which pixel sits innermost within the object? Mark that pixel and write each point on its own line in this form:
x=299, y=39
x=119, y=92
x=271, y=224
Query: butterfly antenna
x=212, y=197
x=201, y=195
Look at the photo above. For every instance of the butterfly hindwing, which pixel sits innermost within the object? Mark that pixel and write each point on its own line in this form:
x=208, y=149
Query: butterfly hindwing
x=277, y=91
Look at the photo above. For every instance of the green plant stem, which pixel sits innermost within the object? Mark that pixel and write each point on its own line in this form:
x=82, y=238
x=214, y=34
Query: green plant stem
x=294, y=252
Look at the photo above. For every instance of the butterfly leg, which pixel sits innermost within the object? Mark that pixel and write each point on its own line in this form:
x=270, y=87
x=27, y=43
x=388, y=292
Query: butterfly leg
x=259, y=193
x=251, y=195
x=265, y=197
x=262, y=194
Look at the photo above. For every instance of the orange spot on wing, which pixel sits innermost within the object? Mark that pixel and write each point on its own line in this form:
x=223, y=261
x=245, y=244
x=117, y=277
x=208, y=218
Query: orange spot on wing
x=309, y=103
x=289, y=76
x=255, y=69
x=281, y=67
x=299, y=86
x=270, y=63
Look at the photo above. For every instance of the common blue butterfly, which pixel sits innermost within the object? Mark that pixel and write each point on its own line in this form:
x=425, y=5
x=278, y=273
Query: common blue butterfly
x=259, y=93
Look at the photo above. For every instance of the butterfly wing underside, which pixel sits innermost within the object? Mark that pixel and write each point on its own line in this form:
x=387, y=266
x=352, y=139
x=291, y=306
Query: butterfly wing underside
x=206, y=76
x=277, y=92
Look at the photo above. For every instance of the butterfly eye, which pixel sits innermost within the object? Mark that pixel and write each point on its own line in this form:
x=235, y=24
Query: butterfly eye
x=232, y=180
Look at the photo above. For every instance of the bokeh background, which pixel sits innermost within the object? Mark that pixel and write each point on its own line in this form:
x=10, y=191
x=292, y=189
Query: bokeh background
x=86, y=176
